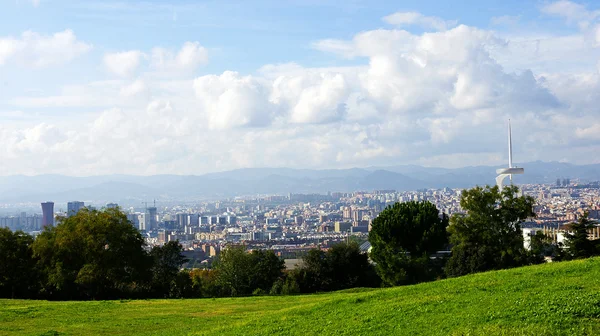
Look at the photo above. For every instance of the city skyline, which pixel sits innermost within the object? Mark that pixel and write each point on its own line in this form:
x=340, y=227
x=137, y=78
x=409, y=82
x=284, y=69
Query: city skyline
x=190, y=88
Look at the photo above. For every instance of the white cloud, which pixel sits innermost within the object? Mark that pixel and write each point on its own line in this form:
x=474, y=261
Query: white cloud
x=232, y=100
x=123, y=64
x=134, y=89
x=436, y=98
x=187, y=59
x=403, y=19
x=571, y=11
x=36, y=50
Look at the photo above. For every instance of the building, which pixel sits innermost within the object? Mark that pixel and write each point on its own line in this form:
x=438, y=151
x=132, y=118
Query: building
x=151, y=220
x=112, y=205
x=347, y=212
x=141, y=221
x=74, y=207
x=357, y=215
x=342, y=226
x=47, y=214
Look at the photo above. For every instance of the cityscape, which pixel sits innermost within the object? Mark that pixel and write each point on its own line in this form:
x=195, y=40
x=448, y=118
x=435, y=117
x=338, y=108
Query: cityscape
x=300, y=167
x=292, y=224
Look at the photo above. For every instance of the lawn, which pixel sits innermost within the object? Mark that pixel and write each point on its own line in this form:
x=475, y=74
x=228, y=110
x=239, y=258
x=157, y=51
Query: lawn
x=551, y=299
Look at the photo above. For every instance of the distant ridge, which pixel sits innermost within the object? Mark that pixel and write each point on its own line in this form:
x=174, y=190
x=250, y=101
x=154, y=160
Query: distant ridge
x=252, y=181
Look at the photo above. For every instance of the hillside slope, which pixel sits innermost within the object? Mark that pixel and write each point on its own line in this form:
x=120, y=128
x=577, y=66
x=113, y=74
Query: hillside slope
x=552, y=299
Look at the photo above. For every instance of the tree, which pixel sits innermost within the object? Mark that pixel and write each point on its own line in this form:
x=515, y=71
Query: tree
x=403, y=237
x=488, y=235
x=268, y=268
x=166, y=262
x=93, y=254
x=577, y=241
x=342, y=266
x=205, y=283
x=241, y=273
x=542, y=246
x=18, y=276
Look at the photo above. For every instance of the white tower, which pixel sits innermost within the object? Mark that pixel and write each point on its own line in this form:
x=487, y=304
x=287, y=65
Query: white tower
x=504, y=172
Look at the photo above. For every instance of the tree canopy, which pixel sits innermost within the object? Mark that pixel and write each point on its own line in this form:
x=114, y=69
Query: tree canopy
x=93, y=254
x=167, y=261
x=488, y=235
x=341, y=266
x=577, y=241
x=18, y=277
x=241, y=273
x=403, y=237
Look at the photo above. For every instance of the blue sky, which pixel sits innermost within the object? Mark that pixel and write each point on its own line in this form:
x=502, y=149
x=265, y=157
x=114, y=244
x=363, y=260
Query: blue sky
x=198, y=86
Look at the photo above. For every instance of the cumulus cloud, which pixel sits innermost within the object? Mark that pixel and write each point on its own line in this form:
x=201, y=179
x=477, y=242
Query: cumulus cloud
x=587, y=20
x=402, y=19
x=124, y=63
x=36, y=50
x=232, y=100
x=435, y=98
x=573, y=12
x=187, y=59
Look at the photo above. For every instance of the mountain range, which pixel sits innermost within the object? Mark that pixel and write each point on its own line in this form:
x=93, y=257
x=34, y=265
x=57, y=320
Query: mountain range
x=253, y=181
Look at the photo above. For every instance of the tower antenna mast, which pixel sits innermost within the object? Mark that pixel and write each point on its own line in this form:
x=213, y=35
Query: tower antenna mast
x=508, y=172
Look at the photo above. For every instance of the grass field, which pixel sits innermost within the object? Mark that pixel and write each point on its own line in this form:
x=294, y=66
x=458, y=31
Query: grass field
x=552, y=299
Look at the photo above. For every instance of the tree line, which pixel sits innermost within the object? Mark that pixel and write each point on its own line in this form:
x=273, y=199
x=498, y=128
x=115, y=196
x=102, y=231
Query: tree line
x=98, y=254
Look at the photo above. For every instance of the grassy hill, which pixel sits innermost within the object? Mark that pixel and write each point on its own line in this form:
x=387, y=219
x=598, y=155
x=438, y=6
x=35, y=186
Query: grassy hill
x=552, y=299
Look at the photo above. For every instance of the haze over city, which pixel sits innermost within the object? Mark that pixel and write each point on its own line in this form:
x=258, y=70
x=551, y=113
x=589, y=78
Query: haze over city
x=142, y=88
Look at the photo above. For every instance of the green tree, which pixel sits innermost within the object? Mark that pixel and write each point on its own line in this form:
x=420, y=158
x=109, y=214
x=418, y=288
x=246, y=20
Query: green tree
x=541, y=246
x=577, y=243
x=241, y=273
x=18, y=276
x=166, y=263
x=488, y=236
x=205, y=283
x=268, y=268
x=403, y=237
x=342, y=266
x=93, y=254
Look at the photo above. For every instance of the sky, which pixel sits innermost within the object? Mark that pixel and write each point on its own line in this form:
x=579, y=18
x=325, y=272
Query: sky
x=190, y=87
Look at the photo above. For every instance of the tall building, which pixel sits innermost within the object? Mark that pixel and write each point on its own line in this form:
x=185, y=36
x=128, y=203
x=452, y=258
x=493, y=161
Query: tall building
x=134, y=220
x=112, y=205
x=347, y=212
x=74, y=207
x=151, y=221
x=48, y=214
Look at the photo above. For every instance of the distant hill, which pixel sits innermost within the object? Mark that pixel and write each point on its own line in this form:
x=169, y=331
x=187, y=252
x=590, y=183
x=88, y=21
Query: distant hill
x=253, y=181
x=550, y=299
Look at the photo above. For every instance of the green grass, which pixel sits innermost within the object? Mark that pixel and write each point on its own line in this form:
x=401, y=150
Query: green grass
x=552, y=299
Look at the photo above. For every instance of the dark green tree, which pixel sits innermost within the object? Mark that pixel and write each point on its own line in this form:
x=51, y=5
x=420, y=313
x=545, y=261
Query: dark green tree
x=166, y=263
x=268, y=268
x=403, y=237
x=488, y=235
x=241, y=273
x=342, y=266
x=577, y=243
x=541, y=246
x=18, y=276
x=93, y=254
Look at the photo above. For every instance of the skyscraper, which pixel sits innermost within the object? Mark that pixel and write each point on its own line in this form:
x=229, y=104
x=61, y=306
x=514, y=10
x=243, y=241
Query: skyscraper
x=74, y=207
x=151, y=221
x=48, y=214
